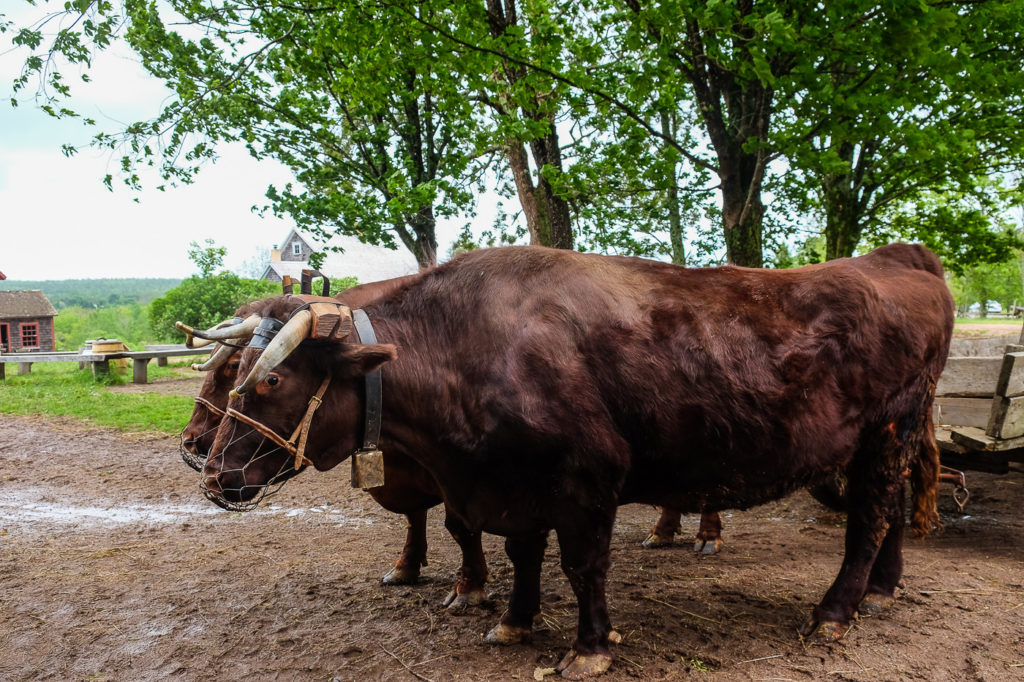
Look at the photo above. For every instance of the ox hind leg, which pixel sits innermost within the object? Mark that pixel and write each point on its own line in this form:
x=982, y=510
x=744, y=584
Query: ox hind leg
x=584, y=538
x=469, y=588
x=709, y=535
x=414, y=553
x=873, y=558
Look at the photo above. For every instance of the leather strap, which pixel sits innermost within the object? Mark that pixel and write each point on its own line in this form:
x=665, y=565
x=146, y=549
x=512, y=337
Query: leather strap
x=296, y=445
x=210, y=406
x=374, y=384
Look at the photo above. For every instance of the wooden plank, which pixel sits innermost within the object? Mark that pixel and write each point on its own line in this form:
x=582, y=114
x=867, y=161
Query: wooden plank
x=1007, y=418
x=969, y=377
x=24, y=367
x=962, y=411
x=975, y=439
x=1011, y=376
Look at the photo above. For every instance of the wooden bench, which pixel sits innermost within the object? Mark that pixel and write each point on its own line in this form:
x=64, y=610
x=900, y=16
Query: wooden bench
x=100, y=362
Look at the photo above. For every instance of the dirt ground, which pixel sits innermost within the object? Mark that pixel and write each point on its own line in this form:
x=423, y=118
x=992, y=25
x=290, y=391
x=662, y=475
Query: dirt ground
x=114, y=567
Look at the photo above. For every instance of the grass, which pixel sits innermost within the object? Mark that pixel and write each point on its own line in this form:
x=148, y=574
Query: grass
x=60, y=389
x=1010, y=321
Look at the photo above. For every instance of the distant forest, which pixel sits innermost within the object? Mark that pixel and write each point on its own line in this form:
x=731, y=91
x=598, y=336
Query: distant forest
x=95, y=293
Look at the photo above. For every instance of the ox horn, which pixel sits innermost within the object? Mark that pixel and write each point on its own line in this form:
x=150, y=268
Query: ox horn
x=190, y=339
x=218, y=359
x=224, y=332
x=294, y=332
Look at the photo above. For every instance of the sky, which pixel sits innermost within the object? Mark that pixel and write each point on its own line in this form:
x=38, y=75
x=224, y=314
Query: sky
x=58, y=220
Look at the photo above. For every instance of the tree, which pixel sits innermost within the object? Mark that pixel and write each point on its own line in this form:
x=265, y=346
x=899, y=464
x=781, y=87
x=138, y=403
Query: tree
x=207, y=258
x=921, y=99
x=378, y=134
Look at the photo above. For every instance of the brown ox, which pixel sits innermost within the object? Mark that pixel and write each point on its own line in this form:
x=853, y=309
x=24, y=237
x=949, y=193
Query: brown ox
x=543, y=388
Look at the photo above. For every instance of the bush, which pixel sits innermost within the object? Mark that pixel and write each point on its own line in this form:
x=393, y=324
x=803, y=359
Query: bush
x=204, y=302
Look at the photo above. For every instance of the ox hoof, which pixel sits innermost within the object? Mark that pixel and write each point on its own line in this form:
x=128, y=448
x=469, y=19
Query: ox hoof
x=825, y=632
x=654, y=541
x=457, y=603
x=708, y=547
x=401, y=575
x=508, y=635
x=875, y=604
x=579, y=666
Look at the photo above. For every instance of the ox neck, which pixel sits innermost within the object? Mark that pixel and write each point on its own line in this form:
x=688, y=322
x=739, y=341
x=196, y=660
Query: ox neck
x=374, y=384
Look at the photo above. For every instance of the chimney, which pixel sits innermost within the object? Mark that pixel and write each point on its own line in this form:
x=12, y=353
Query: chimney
x=275, y=254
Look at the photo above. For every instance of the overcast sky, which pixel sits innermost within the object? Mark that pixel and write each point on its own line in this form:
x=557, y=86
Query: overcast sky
x=58, y=220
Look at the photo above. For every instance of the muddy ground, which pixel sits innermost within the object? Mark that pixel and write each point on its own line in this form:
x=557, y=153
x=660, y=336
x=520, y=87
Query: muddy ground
x=114, y=567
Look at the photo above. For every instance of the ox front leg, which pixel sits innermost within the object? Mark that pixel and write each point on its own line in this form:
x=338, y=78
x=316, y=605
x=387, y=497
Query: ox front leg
x=469, y=588
x=414, y=553
x=516, y=625
x=585, y=559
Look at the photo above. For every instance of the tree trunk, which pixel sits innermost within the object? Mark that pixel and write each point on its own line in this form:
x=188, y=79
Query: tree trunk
x=422, y=242
x=548, y=218
x=675, y=223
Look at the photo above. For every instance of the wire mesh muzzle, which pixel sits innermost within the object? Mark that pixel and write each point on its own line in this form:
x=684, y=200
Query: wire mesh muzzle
x=200, y=430
x=228, y=488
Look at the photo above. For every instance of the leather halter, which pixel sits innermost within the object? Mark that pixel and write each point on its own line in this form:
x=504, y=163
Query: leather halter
x=296, y=445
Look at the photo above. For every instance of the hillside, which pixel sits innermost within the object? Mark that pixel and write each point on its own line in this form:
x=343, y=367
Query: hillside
x=95, y=293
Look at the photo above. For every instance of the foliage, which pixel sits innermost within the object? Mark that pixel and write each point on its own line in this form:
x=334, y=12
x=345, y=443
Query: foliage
x=61, y=389
x=94, y=293
x=207, y=258
x=915, y=100
x=205, y=302
x=129, y=324
x=389, y=112
x=1000, y=282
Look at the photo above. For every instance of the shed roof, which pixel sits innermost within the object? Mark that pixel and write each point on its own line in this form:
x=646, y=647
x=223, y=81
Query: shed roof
x=14, y=304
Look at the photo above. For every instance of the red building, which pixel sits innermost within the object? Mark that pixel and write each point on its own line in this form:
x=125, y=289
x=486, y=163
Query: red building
x=26, y=321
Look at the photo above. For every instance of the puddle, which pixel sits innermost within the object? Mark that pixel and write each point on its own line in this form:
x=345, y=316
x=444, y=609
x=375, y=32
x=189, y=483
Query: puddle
x=34, y=505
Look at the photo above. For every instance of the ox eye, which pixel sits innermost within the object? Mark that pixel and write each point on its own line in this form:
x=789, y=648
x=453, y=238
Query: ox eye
x=272, y=380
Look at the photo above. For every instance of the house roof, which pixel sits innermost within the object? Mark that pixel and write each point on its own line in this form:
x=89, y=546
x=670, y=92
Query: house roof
x=14, y=304
x=366, y=262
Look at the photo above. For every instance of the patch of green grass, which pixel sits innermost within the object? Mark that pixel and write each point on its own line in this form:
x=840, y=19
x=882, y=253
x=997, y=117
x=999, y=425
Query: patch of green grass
x=61, y=389
x=1012, y=321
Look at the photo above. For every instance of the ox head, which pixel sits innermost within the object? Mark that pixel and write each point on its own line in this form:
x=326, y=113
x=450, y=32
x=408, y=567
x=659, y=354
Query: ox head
x=300, y=401
x=222, y=367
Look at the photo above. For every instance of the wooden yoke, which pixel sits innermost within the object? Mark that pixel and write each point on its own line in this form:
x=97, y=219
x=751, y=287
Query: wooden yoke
x=332, y=320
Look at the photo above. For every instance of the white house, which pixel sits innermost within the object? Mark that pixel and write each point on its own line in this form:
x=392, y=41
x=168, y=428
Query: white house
x=365, y=262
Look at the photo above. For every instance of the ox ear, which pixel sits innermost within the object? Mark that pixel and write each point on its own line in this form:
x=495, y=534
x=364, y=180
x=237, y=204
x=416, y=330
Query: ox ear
x=362, y=360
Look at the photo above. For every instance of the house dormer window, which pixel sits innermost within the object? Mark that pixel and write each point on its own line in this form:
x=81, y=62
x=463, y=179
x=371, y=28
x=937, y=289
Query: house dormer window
x=296, y=249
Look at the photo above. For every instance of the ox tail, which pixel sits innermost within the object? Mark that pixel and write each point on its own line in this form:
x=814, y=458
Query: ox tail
x=924, y=475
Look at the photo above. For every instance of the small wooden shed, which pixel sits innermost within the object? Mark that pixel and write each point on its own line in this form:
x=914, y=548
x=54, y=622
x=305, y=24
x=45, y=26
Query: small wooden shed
x=26, y=322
